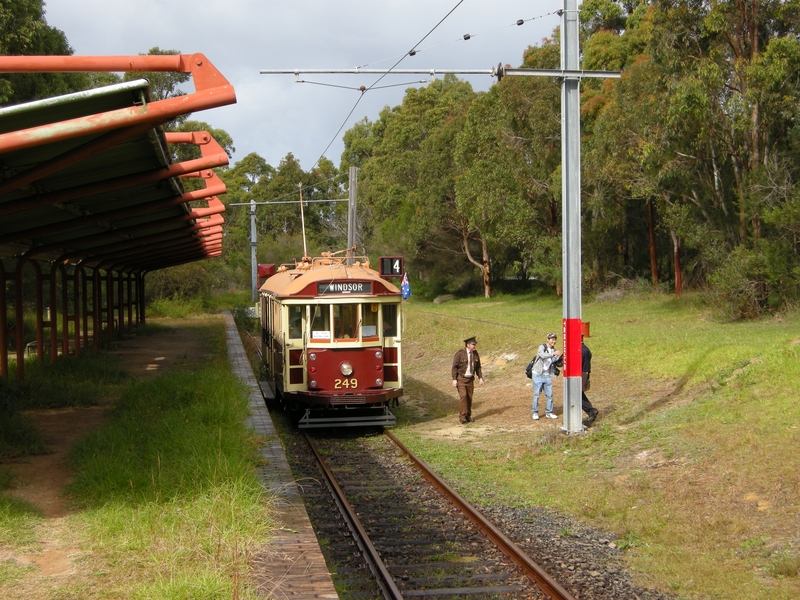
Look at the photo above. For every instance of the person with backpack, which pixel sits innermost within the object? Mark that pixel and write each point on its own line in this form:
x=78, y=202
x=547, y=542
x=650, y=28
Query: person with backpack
x=543, y=370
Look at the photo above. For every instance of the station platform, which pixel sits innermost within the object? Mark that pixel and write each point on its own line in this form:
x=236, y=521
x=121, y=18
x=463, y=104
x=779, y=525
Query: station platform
x=292, y=566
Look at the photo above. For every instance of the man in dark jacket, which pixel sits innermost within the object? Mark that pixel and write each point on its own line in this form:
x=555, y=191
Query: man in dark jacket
x=586, y=369
x=466, y=368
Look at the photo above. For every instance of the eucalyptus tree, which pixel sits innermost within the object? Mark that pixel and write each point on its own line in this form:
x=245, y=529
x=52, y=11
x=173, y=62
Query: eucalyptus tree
x=702, y=125
x=24, y=31
x=624, y=136
x=242, y=181
x=730, y=71
x=408, y=182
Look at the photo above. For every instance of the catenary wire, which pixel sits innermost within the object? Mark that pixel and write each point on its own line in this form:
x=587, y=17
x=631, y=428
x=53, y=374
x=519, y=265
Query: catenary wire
x=352, y=110
x=464, y=38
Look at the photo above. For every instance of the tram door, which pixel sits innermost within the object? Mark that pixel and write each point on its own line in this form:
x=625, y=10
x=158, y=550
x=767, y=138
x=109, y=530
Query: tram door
x=392, y=355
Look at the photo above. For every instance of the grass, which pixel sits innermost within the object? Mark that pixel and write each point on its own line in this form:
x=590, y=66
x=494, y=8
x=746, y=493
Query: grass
x=168, y=502
x=183, y=308
x=695, y=454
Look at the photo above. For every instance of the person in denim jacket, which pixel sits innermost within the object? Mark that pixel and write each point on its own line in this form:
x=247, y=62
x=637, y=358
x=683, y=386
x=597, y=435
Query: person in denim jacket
x=543, y=371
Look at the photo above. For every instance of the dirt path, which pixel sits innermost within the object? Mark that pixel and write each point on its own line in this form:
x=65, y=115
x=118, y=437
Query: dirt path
x=40, y=480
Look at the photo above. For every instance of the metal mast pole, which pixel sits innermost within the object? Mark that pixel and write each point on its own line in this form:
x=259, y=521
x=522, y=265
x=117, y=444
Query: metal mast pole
x=571, y=217
x=303, y=220
x=253, y=246
x=351, y=215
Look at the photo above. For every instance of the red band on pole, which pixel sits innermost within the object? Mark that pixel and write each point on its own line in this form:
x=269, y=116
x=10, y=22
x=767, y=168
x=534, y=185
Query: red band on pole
x=572, y=347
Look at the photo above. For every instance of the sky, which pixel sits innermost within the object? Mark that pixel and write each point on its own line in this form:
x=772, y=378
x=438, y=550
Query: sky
x=274, y=115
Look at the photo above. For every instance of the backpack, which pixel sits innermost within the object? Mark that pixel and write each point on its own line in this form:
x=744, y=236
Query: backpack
x=558, y=362
x=529, y=369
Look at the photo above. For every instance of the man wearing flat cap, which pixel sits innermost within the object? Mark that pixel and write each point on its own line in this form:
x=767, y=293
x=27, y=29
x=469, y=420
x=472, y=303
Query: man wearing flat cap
x=466, y=368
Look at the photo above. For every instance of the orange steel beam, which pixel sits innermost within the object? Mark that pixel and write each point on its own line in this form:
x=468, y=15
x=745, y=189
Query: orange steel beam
x=204, y=74
x=207, y=226
x=211, y=90
x=100, y=252
x=114, y=233
x=213, y=159
x=209, y=242
x=172, y=259
x=112, y=215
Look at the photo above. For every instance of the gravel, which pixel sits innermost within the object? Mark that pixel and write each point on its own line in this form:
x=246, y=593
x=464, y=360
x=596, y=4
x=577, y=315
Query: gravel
x=586, y=562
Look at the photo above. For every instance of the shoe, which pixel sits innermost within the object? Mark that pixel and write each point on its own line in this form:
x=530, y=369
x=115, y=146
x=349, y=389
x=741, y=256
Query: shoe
x=463, y=421
x=535, y=416
x=551, y=416
x=592, y=415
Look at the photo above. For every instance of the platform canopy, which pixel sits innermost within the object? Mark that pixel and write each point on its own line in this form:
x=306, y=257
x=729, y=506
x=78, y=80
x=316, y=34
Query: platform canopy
x=88, y=179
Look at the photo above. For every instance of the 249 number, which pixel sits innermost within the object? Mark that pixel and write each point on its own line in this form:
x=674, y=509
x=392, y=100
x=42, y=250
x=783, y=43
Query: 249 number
x=345, y=383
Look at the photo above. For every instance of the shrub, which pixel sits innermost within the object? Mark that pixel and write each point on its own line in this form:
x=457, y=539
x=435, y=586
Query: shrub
x=738, y=288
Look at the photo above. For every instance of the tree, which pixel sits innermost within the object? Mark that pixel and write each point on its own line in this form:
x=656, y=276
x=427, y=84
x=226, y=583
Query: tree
x=23, y=32
x=408, y=182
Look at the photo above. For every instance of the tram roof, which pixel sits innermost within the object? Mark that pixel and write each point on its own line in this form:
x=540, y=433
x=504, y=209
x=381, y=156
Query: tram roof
x=294, y=282
x=90, y=177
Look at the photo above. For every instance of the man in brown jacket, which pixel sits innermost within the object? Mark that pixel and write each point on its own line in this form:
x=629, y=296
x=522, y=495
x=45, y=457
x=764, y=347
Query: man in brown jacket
x=466, y=368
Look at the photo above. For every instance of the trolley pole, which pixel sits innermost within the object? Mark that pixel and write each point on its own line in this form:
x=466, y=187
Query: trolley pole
x=351, y=214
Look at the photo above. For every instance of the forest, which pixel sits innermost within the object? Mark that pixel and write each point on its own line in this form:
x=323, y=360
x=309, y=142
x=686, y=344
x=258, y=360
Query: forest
x=688, y=164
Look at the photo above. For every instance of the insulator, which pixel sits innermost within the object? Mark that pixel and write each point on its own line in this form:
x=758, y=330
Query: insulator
x=466, y=36
x=520, y=21
x=412, y=52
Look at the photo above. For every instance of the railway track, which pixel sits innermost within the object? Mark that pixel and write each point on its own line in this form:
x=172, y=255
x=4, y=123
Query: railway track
x=396, y=530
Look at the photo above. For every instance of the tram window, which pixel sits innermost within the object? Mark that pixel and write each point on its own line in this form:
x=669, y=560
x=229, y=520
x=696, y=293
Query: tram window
x=369, y=320
x=296, y=322
x=345, y=320
x=320, y=322
x=389, y=320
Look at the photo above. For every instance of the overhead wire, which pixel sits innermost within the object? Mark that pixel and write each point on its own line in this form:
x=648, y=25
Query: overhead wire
x=293, y=193
x=347, y=118
x=464, y=38
x=360, y=88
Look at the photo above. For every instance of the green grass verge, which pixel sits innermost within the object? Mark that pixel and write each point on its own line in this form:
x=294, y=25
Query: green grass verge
x=694, y=456
x=168, y=502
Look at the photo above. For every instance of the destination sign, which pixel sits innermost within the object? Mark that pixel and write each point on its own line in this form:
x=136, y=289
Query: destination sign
x=344, y=287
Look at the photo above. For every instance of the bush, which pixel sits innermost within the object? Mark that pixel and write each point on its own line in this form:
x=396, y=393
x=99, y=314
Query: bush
x=738, y=288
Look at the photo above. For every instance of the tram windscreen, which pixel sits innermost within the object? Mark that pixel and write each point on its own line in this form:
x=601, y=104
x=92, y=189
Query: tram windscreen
x=369, y=320
x=320, y=322
x=389, y=320
x=345, y=321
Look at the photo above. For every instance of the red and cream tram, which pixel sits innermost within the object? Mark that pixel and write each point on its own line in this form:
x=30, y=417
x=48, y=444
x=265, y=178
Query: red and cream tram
x=330, y=334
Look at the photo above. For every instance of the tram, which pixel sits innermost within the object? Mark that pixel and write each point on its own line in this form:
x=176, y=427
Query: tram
x=330, y=336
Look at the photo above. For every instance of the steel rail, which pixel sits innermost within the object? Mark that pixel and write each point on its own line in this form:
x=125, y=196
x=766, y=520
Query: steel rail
x=383, y=577
x=539, y=576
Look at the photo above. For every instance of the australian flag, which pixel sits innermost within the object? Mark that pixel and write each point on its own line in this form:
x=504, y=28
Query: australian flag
x=405, y=288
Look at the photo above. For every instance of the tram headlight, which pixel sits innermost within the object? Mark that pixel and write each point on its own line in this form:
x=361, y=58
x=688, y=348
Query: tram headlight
x=312, y=356
x=379, y=382
x=378, y=355
x=346, y=368
x=312, y=384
